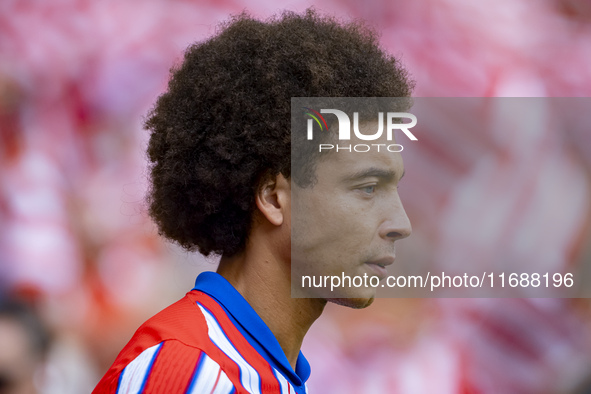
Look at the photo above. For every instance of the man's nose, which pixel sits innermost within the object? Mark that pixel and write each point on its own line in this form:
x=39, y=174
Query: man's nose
x=396, y=224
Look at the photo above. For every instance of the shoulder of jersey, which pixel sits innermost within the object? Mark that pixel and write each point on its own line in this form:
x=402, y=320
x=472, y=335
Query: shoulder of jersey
x=191, y=347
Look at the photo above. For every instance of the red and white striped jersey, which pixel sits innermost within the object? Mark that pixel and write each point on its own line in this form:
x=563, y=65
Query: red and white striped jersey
x=205, y=343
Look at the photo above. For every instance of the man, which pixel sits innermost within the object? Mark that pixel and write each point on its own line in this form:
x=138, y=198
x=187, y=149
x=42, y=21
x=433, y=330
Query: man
x=222, y=182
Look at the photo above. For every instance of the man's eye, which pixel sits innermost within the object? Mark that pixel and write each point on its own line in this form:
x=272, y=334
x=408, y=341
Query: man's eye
x=368, y=189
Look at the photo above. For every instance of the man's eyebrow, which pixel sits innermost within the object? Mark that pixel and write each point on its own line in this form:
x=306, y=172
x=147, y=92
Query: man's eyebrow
x=386, y=175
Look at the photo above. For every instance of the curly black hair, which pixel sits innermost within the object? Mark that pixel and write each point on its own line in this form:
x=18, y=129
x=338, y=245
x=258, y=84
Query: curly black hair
x=224, y=123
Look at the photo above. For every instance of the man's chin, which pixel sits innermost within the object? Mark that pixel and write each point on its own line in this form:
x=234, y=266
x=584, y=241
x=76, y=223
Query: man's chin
x=357, y=298
x=356, y=303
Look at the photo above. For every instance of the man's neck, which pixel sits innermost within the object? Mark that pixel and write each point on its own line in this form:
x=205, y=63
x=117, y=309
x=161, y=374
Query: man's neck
x=265, y=283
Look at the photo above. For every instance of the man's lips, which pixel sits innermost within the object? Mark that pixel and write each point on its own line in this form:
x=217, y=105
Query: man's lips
x=383, y=261
x=379, y=265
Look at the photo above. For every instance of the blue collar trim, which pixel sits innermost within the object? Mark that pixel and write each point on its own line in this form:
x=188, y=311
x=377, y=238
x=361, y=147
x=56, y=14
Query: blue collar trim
x=252, y=326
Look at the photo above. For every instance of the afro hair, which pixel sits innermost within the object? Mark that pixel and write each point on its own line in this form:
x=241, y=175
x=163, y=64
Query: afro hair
x=224, y=122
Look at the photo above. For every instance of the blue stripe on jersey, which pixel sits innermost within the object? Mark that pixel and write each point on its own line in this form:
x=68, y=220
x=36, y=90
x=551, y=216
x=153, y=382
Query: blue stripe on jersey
x=196, y=372
x=134, y=376
x=246, y=370
x=119, y=380
x=211, y=379
x=149, y=369
x=283, y=383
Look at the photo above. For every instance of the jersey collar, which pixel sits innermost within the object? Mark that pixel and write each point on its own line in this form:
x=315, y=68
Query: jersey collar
x=252, y=326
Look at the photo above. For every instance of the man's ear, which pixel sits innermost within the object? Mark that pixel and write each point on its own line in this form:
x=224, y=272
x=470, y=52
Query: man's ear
x=273, y=199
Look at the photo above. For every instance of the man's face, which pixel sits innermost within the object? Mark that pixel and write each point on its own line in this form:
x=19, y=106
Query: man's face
x=348, y=221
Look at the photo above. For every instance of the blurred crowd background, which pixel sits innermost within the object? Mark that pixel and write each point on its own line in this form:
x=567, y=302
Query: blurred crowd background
x=82, y=266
